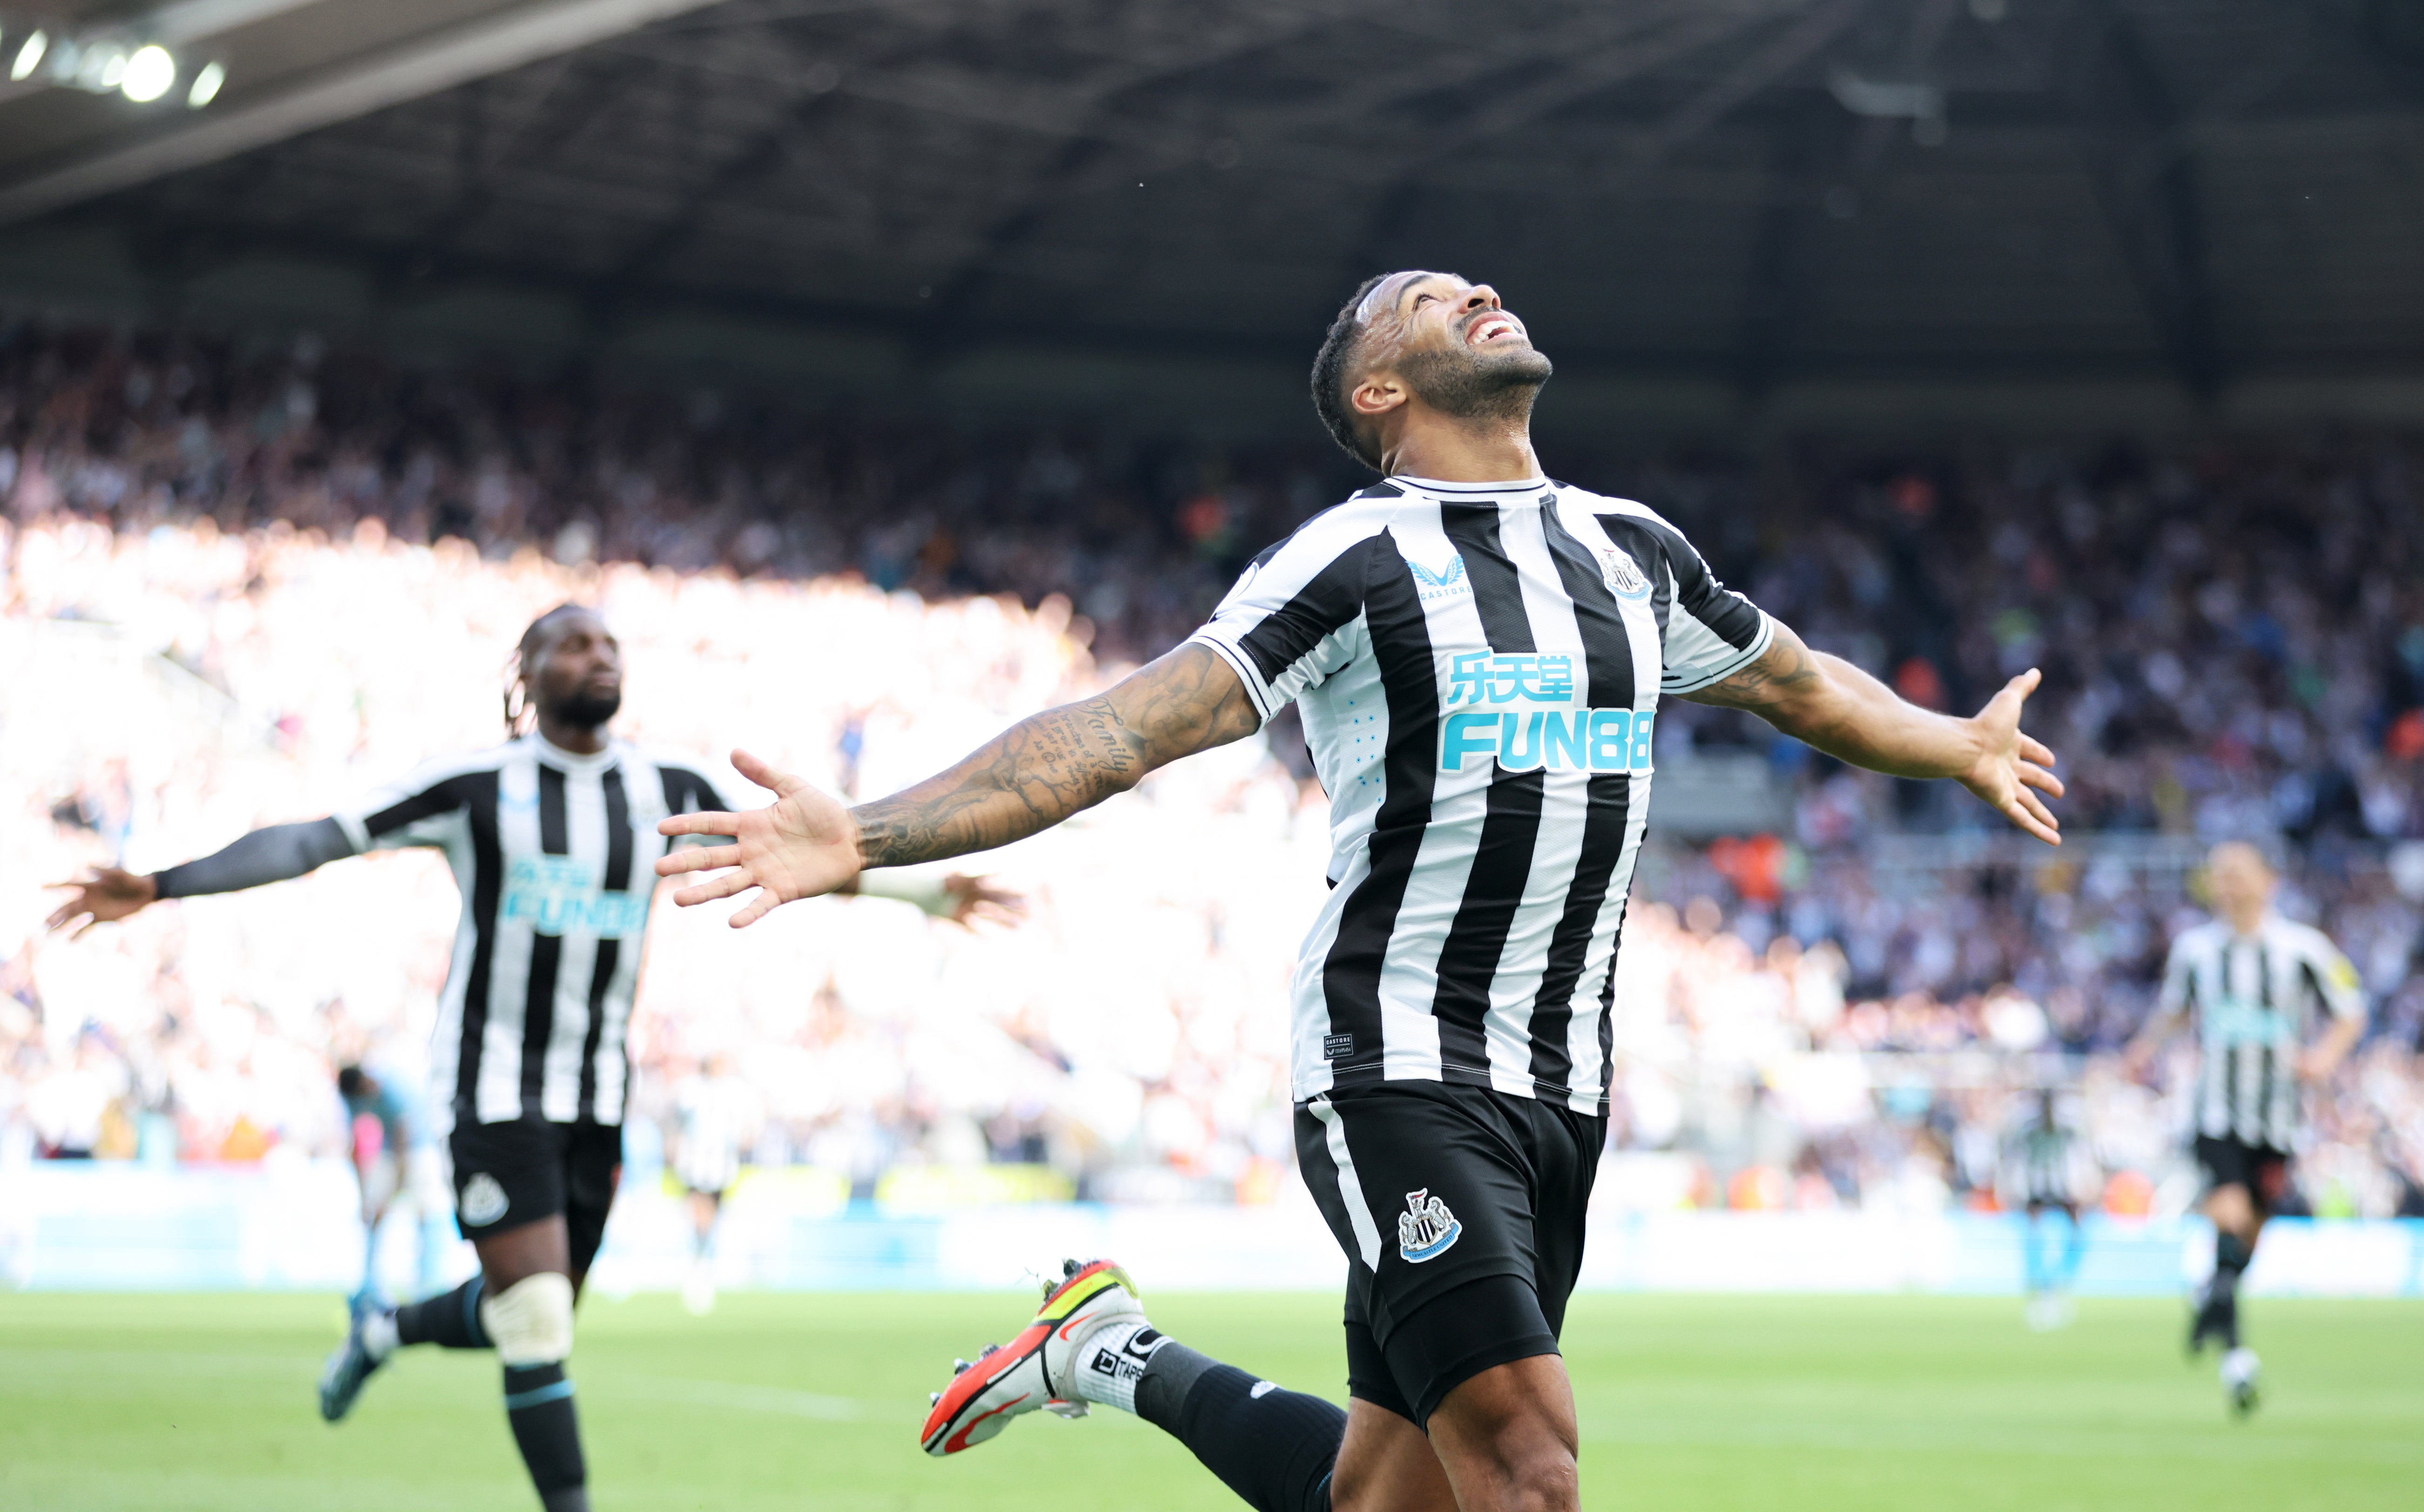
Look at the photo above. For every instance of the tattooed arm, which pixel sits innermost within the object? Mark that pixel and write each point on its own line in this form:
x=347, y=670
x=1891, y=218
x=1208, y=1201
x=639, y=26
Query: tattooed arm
x=1029, y=777
x=1841, y=711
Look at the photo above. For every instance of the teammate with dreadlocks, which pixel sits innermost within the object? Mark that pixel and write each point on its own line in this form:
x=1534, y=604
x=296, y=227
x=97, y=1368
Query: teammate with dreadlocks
x=552, y=837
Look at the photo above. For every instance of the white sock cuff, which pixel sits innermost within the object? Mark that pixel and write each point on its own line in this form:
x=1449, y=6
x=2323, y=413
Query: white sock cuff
x=1111, y=1360
x=378, y=1334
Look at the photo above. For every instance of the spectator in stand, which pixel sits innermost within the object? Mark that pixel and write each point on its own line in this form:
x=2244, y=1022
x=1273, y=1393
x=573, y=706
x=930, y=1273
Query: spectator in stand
x=2233, y=637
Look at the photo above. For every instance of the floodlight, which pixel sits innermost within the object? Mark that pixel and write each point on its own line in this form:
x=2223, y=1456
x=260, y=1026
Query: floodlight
x=206, y=86
x=99, y=66
x=29, y=56
x=149, y=73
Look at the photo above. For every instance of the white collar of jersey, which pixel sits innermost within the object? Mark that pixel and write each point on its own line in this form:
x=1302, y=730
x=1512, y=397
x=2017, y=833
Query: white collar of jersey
x=1524, y=487
x=573, y=763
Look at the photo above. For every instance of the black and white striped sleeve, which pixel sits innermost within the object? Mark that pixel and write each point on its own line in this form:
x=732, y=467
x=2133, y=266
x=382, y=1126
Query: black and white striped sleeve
x=2178, y=993
x=1296, y=615
x=689, y=790
x=2330, y=976
x=1711, y=631
x=424, y=808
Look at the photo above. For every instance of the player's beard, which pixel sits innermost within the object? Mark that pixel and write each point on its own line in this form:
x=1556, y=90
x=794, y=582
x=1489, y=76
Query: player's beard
x=1476, y=385
x=587, y=710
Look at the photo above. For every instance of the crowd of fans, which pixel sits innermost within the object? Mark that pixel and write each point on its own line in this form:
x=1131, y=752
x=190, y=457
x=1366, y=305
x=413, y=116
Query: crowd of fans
x=265, y=580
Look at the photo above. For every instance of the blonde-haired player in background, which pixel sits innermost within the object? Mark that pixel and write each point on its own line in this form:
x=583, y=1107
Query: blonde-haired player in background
x=2250, y=979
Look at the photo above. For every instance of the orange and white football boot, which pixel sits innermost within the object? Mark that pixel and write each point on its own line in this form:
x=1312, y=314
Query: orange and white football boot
x=1033, y=1371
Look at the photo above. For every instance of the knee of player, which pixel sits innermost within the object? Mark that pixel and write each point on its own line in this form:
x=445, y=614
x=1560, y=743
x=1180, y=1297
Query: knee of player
x=1525, y=1450
x=1536, y=1471
x=531, y=1321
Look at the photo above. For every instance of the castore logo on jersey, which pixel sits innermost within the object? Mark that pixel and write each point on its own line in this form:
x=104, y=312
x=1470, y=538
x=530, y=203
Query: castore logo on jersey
x=1447, y=582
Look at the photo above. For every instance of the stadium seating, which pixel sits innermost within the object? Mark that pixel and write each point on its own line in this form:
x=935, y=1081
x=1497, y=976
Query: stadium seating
x=1837, y=1014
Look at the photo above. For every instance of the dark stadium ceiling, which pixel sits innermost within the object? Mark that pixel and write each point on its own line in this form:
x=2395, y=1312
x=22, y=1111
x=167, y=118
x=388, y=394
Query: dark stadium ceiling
x=1738, y=195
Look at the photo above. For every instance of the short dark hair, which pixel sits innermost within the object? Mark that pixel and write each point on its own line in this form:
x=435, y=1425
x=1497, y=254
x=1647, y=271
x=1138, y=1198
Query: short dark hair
x=1330, y=367
x=525, y=651
x=349, y=1081
x=531, y=638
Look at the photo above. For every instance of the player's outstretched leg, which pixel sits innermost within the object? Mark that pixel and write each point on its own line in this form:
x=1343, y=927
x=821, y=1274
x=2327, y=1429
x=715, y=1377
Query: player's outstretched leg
x=1091, y=1343
x=449, y=1320
x=370, y=1337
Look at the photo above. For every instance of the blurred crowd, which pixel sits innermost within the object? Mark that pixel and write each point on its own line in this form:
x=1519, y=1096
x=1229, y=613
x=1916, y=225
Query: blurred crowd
x=259, y=579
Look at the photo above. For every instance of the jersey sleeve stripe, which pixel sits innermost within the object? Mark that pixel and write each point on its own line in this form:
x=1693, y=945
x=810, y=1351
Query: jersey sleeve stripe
x=1722, y=671
x=437, y=799
x=1283, y=610
x=1257, y=691
x=1713, y=615
x=1333, y=597
x=433, y=789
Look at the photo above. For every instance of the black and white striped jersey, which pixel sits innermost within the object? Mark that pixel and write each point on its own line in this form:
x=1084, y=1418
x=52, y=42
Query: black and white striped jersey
x=1478, y=669
x=2252, y=996
x=2048, y=1162
x=554, y=853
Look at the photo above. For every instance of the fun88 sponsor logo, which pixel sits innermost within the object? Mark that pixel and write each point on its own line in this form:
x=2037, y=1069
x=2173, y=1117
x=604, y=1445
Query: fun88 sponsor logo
x=558, y=895
x=1564, y=738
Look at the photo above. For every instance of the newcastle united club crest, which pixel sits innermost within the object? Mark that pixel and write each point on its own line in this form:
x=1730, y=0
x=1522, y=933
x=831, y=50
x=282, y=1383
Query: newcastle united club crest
x=1622, y=577
x=1426, y=1229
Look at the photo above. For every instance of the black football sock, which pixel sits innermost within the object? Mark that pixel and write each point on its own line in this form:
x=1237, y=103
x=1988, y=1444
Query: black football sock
x=2231, y=1255
x=449, y=1320
x=1273, y=1448
x=538, y=1404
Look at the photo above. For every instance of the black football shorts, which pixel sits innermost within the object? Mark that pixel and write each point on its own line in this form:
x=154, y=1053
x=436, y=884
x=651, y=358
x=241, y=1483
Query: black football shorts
x=1460, y=1210
x=517, y=1172
x=2262, y=1170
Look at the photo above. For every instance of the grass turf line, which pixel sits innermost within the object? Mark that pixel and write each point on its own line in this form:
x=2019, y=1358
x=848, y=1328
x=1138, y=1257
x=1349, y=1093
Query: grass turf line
x=1693, y=1404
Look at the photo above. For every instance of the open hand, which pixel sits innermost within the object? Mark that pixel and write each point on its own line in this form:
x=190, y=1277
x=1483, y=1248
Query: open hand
x=105, y=896
x=805, y=846
x=2010, y=764
x=975, y=898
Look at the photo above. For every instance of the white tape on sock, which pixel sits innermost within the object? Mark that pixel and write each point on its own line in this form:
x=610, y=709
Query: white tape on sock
x=531, y=1321
x=1111, y=1360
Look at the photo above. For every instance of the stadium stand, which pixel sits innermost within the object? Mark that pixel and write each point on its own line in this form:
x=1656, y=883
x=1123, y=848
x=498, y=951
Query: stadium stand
x=1841, y=1009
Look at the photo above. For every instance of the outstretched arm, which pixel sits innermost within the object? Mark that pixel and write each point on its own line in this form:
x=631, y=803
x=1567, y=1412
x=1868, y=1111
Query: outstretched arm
x=2317, y=1065
x=1028, y=778
x=1841, y=711
x=265, y=855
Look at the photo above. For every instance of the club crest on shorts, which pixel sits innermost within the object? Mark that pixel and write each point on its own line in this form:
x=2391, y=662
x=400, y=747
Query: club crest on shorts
x=484, y=1201
x=1426, y=1229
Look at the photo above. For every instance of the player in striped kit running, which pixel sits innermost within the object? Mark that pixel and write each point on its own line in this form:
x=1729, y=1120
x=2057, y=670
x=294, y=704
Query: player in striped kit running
x=552, y=837
x=2254, y=982
x=1479, y=653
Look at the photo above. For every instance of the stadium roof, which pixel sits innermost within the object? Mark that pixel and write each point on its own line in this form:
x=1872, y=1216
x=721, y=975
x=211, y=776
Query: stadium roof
x=1706, y=209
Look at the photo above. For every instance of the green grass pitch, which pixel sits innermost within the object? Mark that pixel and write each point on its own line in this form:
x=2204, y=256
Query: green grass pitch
x=204, y=1404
